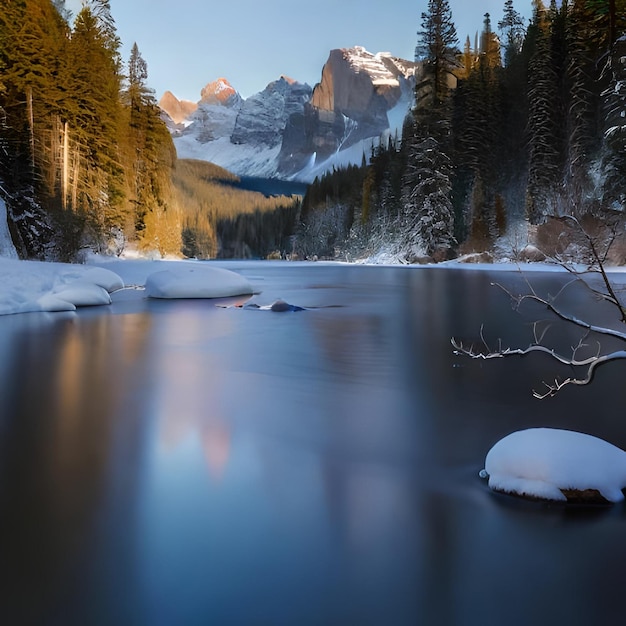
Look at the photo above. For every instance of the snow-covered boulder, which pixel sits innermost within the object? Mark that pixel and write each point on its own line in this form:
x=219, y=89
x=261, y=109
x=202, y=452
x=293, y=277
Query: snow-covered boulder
x=531, y=254
x=50, y=303
x=198, y=281
x=553, y=464
x=104, y=278
x=82, y=293
x=476, y=257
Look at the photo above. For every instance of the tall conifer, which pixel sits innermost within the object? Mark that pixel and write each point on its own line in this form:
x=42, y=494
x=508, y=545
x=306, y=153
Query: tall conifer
x=427, y=186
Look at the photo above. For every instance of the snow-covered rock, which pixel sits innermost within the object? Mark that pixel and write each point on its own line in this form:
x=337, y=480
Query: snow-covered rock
x=104, y=278
x=350, y=104
x=531, y=254
x=220, y=93
x=7, y=249
x=82, y=293
x=262, y=117
x=196, y=282
x=28, y=286
x=554, y=464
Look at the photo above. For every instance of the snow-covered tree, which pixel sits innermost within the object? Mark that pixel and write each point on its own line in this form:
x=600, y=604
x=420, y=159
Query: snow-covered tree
x=543, y=134
x=426, y=182
x=614, y=148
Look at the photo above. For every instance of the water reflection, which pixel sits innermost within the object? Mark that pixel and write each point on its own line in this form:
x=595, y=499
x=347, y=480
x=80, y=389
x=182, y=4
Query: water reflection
x=65, y=430
x=175, y=462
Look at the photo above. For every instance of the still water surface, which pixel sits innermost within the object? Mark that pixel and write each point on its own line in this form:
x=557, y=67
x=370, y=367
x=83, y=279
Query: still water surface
x=179, y=463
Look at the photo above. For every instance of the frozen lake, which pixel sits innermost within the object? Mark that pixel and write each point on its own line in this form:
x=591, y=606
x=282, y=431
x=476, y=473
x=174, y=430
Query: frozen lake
x=173, y=462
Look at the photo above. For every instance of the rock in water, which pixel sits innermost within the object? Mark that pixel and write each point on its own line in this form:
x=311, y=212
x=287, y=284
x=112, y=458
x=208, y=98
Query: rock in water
x=196, y=281
x=554, y=464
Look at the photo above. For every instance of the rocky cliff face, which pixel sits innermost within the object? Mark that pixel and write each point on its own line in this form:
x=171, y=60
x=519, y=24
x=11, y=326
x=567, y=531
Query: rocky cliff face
x=263, y=117
x=217, y=112
x=178, y=110
x=350, y=104
x=289, y=130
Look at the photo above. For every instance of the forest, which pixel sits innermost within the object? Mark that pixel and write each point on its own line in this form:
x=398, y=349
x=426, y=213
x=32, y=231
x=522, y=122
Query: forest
x=86, y=162
x=508, y=135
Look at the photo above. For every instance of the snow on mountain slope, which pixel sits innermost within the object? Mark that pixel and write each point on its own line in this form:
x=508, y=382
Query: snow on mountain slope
x=241, y=159
x=291, y=132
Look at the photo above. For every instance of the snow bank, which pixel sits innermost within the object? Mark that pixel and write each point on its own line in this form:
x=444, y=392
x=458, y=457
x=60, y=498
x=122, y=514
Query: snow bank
x=196, y=282
x=542, y=462
x=7, y=249
x=27, y=286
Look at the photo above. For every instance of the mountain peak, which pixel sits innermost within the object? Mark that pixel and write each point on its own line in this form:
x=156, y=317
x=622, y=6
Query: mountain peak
x=178, y=110
x=220, y=92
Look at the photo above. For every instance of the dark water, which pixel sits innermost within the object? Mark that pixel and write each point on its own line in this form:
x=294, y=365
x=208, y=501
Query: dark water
x=178, y=463
x=272, y=186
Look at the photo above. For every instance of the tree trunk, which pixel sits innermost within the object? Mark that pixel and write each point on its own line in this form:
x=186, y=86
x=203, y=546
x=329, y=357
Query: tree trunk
x=31, y=124
x=65, y=178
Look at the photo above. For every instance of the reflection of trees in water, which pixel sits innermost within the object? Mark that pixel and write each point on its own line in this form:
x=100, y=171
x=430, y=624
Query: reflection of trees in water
x=69, y=434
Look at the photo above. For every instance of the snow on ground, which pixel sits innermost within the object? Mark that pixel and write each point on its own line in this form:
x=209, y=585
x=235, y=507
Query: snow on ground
x=29, y=286
x=34, y=286
x=540, y=462
x=7, y=249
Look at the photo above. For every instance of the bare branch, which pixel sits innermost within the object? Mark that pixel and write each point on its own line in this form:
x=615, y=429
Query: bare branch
x=589, y=364
x=600, y=261
x=553, y=389
x=461, y=350
x=549, y=304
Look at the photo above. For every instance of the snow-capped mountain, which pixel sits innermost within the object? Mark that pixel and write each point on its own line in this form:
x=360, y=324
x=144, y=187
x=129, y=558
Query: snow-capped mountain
x=291, y=131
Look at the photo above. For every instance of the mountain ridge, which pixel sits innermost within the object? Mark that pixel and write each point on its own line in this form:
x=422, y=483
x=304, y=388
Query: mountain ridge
x=290, y=130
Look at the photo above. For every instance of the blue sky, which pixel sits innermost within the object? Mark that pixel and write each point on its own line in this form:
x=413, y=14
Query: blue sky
x=188, y=43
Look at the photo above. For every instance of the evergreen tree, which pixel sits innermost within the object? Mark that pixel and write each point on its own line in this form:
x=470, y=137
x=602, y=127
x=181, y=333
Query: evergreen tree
x=437, y=49
x=614, y=148
x=98, y=170
x=151, y=153
x=582, y=107
x=426, y=184
x=427, y=197
x=543, y=123
x=33, y=45
x=478, y=127
x=512, y=27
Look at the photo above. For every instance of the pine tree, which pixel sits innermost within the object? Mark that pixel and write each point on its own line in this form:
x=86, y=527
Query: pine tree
x=543, y=130
x=614, y=145
x=426, y=184
x=151, y=157
x=512, y=27
x=582, y=106
x=477, y=129
x=98, y=170
x=437, y=49
x=427, y=197
x=33, y=45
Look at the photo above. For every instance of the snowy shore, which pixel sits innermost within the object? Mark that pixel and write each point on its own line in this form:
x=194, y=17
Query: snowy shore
x=30, y=286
